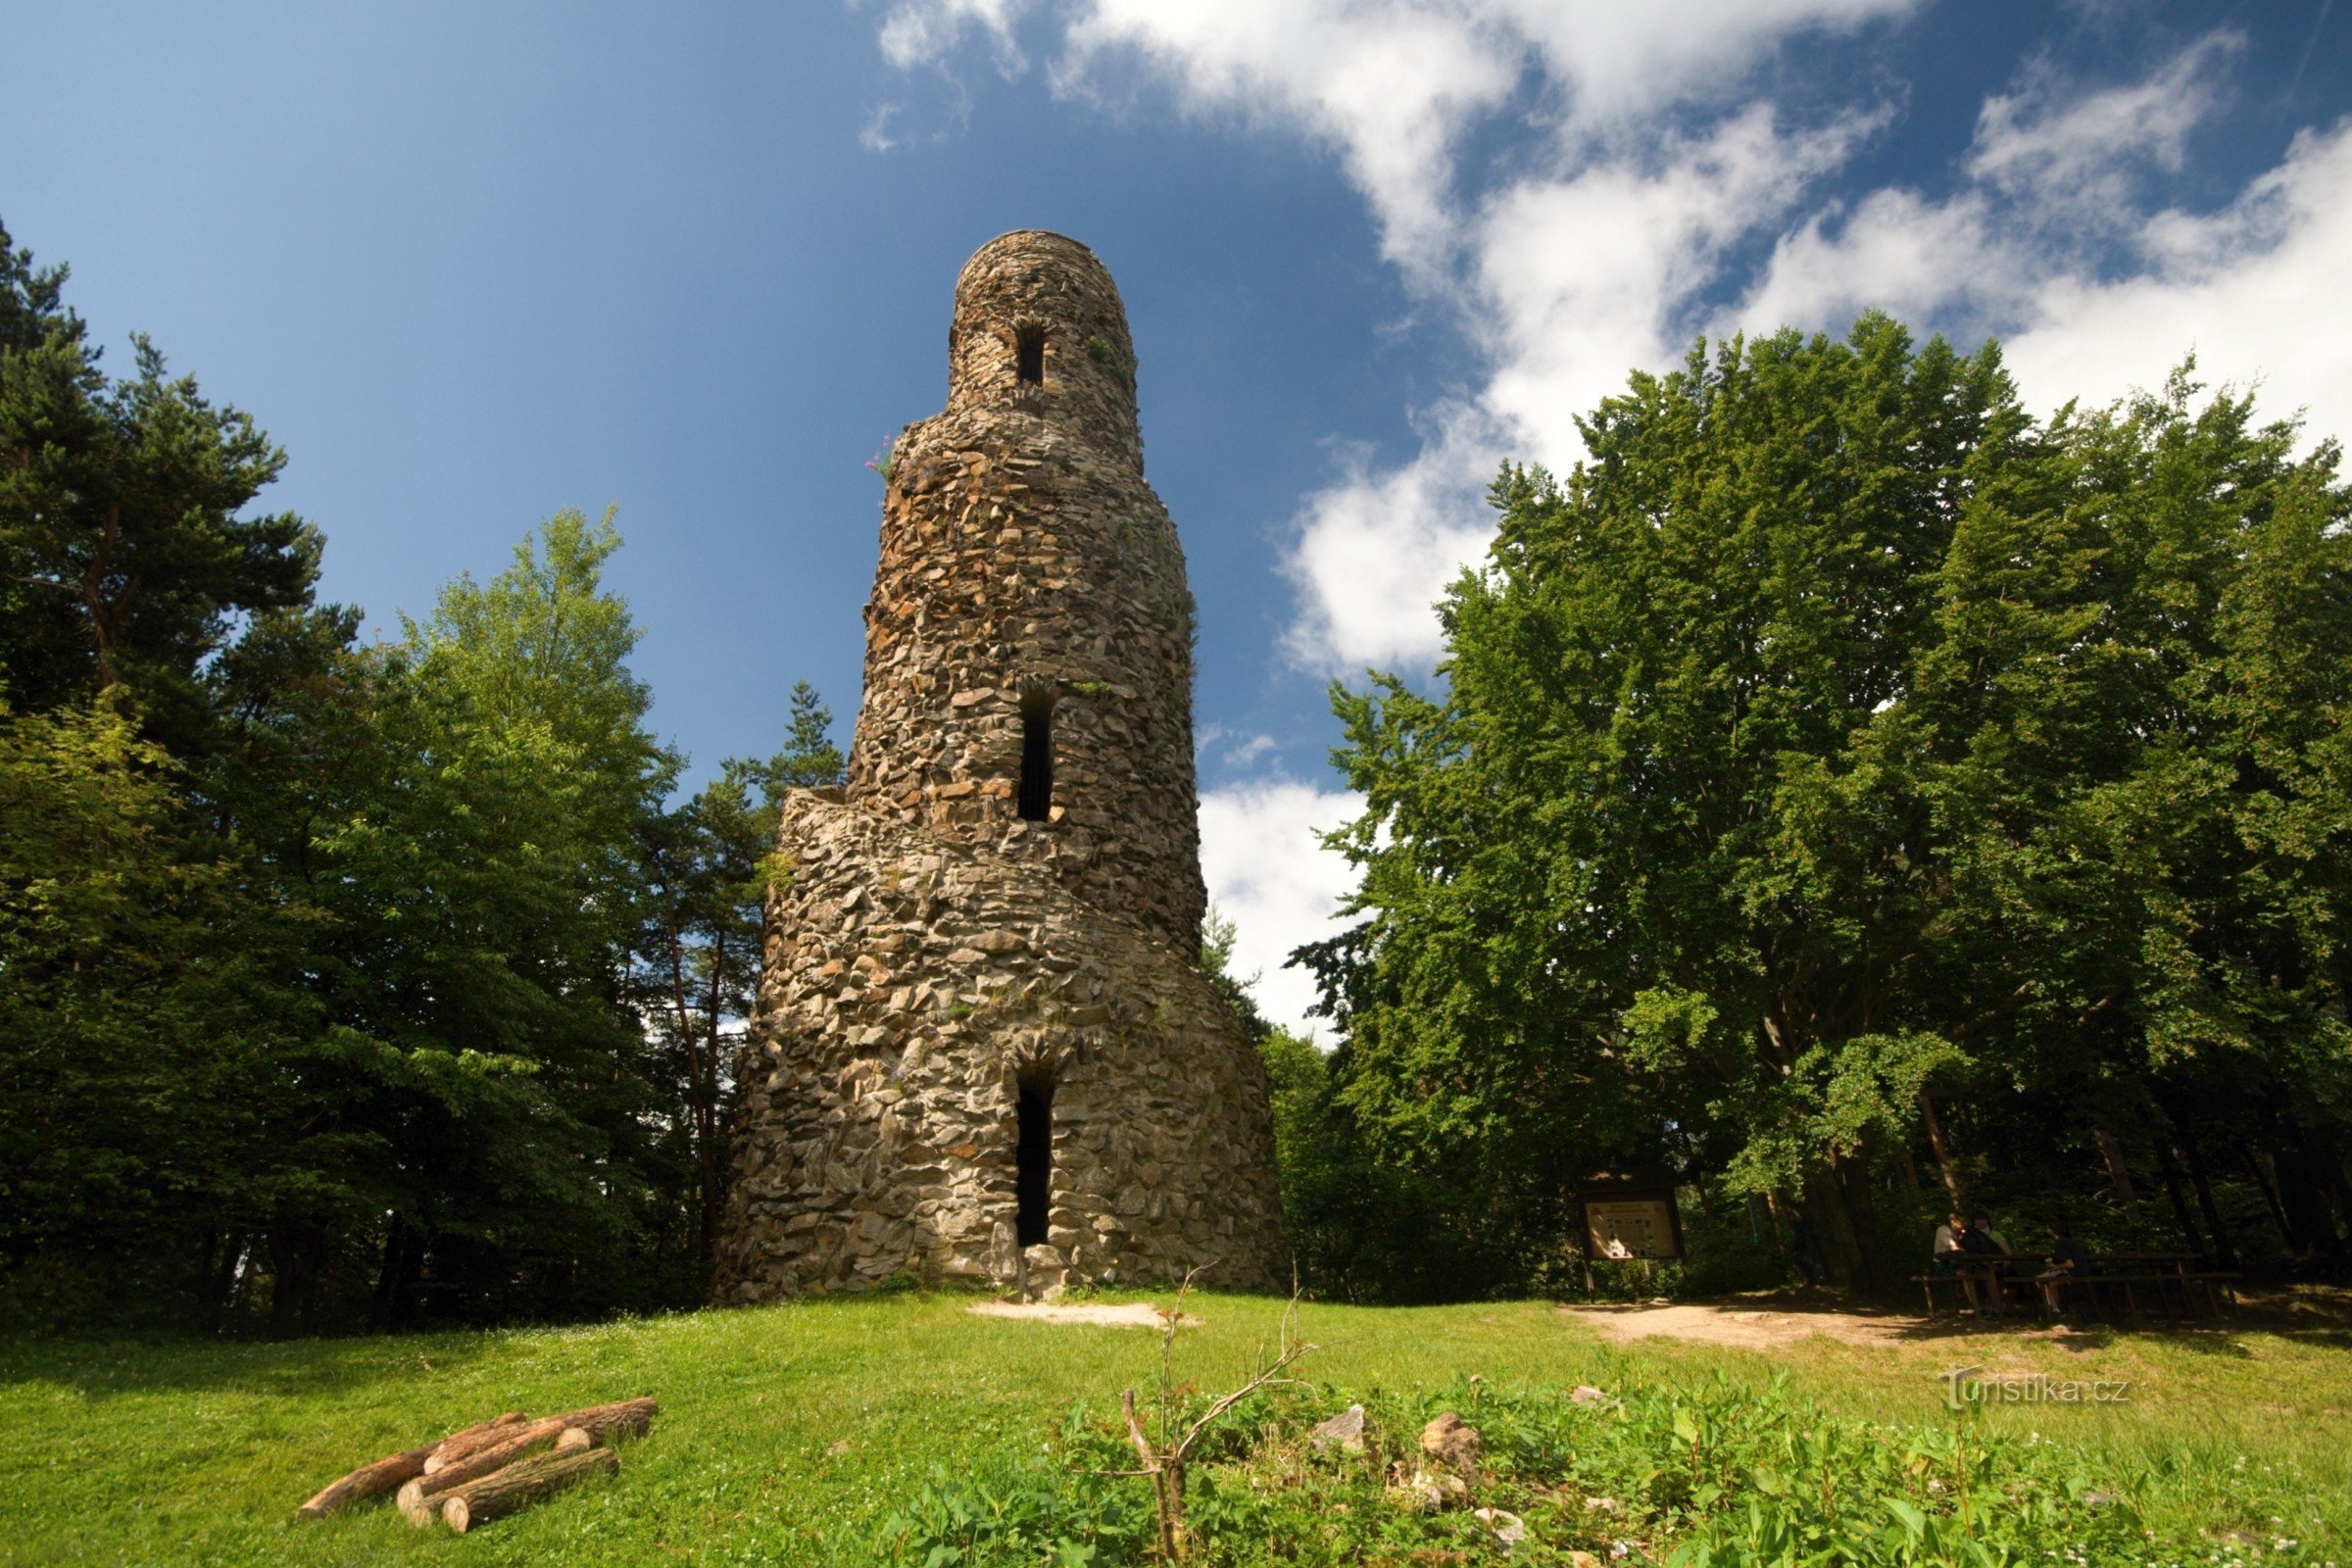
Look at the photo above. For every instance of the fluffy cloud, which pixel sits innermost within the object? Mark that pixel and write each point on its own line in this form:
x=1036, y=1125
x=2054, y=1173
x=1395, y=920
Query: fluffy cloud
x=2244, y=288
x=2253, y=289
x=1271, y=876
x=924, y=33
x=1566, y=275
x=1643, y=170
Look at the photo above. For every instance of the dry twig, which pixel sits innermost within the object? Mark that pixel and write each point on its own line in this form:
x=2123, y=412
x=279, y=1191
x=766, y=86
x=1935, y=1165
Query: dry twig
x=1165, y=1464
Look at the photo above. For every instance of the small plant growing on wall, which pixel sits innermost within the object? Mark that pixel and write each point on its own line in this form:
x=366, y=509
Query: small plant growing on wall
x=882, y=461
x=1102, y=353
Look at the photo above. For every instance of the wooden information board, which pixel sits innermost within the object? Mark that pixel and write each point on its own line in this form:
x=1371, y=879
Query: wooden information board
x=1632, y=1224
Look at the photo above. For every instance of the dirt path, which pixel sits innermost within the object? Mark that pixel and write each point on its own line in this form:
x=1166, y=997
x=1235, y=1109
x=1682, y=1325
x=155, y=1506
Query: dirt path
x=1750, y=1330
x=1125, y=1314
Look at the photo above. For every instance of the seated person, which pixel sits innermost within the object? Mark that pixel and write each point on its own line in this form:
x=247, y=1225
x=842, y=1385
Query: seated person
x=2068, y=1259
x=1949, y=1244
x=1978, y=1247
x=1981, y=1224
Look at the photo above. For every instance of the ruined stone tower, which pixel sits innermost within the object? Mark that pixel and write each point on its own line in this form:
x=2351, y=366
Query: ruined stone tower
x=983, y=1047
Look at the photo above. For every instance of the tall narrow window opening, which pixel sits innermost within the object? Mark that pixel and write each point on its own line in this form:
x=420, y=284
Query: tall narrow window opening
x=1036, y=795
x=1029, y=353
x=1033, y=1161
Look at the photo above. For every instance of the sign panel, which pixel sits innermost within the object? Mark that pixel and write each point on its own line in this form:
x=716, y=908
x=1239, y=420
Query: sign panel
x=1631, y=1227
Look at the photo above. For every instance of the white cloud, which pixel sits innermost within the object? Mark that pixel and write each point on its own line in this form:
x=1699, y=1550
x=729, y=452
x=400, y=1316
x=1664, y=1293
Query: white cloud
x=1375, y=550
x=1638, y=173
x=1269, y=874
x=2079, y=149
x=1570, y=273
x=1562, y=316
x=2257, y=290
x=2253, y=289
x=924, y=32
x=1917, y=259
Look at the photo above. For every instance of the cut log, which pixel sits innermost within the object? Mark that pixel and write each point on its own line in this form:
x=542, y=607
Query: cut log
x=518, y=1487
x=457, y=1444
x=374, y=1480
x=605, y=1422
x=418, y=1497
x=596, y=1426
x=368, y=1481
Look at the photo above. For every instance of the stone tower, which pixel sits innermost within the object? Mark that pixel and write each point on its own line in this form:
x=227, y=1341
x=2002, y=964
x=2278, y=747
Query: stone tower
x=983, y=1048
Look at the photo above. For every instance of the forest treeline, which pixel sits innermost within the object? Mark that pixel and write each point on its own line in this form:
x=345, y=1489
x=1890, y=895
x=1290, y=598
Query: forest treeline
x=1848, y=797
x=1844, y=796
x=342, y=984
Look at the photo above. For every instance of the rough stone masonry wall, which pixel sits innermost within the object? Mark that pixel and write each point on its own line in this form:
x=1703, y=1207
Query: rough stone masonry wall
x=914, y=984
x=933, y=949
x=1024, y=559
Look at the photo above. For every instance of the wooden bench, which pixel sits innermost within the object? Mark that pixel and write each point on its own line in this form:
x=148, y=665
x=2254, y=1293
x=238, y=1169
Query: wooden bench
x=1989, y=1275
x=1993, y=1277
x=2157, y=1285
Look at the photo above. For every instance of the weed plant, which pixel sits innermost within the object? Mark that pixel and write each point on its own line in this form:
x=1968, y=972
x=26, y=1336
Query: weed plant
x=1715, y=1473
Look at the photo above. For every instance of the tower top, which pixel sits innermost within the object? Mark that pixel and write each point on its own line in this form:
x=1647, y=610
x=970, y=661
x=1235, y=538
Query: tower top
x=1039, y=330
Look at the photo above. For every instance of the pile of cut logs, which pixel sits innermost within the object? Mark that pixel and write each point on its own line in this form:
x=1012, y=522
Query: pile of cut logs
x=492, y=1469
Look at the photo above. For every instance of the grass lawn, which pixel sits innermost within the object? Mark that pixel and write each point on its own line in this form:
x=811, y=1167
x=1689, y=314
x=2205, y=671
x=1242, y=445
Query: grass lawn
x=787, y=1432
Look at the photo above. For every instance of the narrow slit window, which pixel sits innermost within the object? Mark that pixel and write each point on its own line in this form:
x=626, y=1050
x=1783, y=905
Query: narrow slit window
x=1036, y=795
x=1033, y=1163
x=1029, y=353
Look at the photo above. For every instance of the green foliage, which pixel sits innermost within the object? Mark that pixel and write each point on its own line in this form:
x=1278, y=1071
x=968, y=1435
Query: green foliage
x=326, y=969
x=1835, y=736
x=1691, y=1474
x=137, y=1024
x=794, y=1434
x=1003, y=1511
x=1104, y=353
x=710, y=862
x=123, y=557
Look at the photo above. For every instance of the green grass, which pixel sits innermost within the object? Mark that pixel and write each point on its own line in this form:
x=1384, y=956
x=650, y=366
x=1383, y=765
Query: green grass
x=787, y=1434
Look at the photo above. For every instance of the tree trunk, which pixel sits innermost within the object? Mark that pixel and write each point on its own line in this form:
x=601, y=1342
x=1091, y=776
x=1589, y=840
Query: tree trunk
x=1862, y=1211
x=1944, y=1155
x=482, y=1435
x=369, y=1481
x=2255, y=1160
x=2171, y=1167
x=1910, y=1171
x=2305, y=1191
x=1830, y=1224
x=391, y=1277
x=518, y=1487
x=600, y=1421
x=707, y=1100
x=296, y=1251
x=2110, y=1149
x=220, y=1288
x=2223, y=1247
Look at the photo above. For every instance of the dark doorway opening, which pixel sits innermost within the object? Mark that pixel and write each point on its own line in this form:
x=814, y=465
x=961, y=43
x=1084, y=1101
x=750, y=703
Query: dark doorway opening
x=1029, y=353
x=1033, y=1161
x=1035, y=798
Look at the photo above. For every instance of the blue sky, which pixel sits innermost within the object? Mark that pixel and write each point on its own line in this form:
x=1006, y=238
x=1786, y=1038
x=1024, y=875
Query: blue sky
x=471, y=264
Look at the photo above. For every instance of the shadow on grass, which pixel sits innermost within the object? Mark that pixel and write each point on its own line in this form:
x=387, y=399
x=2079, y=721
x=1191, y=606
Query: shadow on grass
x=114, y=1369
